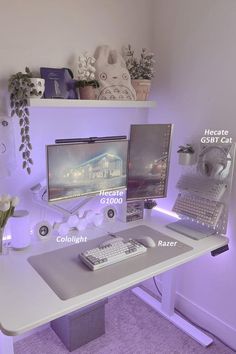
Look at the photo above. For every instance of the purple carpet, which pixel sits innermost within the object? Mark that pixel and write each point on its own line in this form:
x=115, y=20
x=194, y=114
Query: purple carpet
x=132, y=327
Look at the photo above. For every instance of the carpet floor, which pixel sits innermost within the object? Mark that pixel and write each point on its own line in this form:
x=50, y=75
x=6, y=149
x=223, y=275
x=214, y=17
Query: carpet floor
x=132, y=327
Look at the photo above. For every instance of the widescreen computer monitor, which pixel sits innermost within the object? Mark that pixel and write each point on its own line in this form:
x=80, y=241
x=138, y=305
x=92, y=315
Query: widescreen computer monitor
x=148, y=161
x=82, y=169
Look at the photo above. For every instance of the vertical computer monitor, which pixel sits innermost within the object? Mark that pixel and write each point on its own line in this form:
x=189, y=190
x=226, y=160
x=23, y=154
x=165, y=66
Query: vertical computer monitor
x=148, y=161
x=81, y=169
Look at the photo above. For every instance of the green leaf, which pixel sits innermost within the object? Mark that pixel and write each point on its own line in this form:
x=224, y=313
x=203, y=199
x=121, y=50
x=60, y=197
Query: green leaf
x=29, y=146
x=12, y=113
x=21, y=147
x=24, y=164
x=21, y=121
x=31, y=161
x=28, y=170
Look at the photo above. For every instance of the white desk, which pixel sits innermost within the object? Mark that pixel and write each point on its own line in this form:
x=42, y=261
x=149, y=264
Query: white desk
x=26, y=301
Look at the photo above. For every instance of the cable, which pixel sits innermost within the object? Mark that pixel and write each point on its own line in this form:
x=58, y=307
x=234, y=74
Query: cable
x=112, y=235
x=154, y=279
x=194, y=323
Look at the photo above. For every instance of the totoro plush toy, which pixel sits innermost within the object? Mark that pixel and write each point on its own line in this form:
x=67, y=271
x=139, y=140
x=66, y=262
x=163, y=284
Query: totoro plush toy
x=112, y=75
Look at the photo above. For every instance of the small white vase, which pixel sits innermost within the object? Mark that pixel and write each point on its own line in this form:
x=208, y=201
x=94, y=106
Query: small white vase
x=186, y=158
x=39, y=86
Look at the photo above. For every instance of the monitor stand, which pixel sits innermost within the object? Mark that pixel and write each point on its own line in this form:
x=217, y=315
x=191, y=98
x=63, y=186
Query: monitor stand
x=192, y=229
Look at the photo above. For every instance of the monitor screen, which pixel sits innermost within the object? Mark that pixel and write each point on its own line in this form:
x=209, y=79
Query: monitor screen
x=80, y=169
x=148, y=161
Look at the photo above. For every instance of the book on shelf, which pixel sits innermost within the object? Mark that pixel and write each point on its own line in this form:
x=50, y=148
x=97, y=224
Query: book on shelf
x=59, y=83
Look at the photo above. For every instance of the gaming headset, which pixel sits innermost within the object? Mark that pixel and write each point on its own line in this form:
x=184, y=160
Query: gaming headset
x=214, y=162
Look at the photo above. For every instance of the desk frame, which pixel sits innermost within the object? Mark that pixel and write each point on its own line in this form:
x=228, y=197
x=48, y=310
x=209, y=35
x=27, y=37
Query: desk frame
x=15, y=324
x=166, y=307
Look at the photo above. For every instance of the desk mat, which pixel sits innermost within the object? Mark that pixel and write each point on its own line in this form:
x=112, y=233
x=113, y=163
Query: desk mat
x=68, y=277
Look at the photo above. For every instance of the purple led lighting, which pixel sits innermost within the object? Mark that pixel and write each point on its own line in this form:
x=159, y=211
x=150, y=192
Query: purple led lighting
x=167, y=212
x=7, y=237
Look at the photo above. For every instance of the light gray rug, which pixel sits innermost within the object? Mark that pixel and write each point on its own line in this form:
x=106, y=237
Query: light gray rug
x=132, y=327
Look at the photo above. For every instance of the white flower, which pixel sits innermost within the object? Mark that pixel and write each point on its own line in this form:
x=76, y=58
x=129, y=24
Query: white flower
x=82, y=58
x=91, y=68
x=85, y=67
x=92, y=76
x=4, y=206
x=5, y=198
x=15, y=201
x=82, y=77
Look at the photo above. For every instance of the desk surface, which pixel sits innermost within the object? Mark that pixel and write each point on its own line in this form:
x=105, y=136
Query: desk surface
x=27, y=301
x=68, y=276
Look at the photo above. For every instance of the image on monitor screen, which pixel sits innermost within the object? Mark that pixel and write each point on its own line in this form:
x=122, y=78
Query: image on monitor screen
x=80, y=169
x=148, y=161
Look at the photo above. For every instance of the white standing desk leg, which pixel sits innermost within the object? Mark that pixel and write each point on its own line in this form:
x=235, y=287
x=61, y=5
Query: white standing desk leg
x=167, y=307
x=6, y=344
x=168, y=281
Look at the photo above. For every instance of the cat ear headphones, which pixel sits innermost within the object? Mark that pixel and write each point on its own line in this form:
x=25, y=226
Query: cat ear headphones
x=215, y=162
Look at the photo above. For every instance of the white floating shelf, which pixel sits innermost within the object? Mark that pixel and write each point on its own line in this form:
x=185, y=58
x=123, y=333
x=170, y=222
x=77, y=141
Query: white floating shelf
x=57, y=103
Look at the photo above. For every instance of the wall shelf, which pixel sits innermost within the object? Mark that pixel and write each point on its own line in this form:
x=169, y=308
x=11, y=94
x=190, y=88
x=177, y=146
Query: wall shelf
x=66, y=103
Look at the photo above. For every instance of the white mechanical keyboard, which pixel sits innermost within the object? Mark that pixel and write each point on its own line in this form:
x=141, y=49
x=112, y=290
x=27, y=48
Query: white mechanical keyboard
x=112, y=251
x=205, y=187
x=200, y=209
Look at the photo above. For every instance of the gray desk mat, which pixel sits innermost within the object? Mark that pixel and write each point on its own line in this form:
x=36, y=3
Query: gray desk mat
x=68, y=277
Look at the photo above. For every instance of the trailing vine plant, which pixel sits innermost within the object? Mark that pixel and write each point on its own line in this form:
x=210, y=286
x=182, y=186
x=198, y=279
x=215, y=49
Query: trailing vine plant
x=20, y=88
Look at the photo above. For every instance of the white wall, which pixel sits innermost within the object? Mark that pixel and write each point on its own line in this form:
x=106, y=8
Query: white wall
x=53, y=33
x=195, y=89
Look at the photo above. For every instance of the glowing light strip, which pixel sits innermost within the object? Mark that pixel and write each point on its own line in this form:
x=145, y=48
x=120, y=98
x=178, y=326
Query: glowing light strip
x=167, y=212
x=7, y=237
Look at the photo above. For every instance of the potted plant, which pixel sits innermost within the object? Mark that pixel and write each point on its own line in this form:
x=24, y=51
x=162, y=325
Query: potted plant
x=141, y=71
x=21, y=86
x=86, y=82
x=186, y=155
